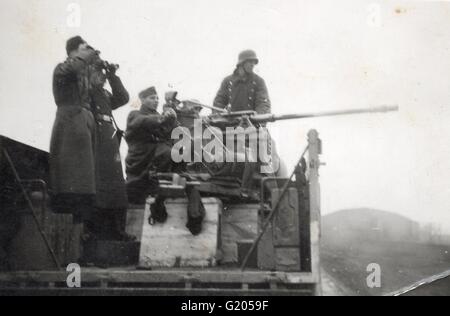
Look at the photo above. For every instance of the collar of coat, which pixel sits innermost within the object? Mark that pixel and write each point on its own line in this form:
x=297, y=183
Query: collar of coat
x=247, y=77
x=147, y=111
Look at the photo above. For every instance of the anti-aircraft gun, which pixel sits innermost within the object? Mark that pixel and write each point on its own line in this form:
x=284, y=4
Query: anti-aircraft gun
x=220, y=122
x=218, y=125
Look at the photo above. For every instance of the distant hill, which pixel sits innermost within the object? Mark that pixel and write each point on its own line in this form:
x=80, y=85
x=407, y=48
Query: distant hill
x=352, y=239
x=368, y=224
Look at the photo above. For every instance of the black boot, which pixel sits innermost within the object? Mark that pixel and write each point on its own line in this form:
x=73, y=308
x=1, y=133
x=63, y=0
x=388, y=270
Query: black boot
x=87, y=216
x=119, y=218
x=158, y=212
x=196, y=211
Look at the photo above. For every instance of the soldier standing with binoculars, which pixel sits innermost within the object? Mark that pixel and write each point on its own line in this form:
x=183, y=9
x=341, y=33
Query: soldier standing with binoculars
x=82, y=144
x=72, y=147
x=109, y=219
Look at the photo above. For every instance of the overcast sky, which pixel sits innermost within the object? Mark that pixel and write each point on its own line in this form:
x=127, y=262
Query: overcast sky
x=315, y=56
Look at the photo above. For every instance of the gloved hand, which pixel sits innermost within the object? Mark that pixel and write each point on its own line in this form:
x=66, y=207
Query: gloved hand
x=111, y=69
x=170, y=115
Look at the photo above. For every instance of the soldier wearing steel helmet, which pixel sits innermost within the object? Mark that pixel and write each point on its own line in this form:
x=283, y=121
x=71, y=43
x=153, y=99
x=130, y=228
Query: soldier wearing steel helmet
x=244, y=90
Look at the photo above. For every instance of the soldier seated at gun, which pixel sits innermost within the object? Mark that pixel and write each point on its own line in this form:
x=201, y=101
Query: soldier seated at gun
x=150, y=145
x=245, y=91
x=149, y=140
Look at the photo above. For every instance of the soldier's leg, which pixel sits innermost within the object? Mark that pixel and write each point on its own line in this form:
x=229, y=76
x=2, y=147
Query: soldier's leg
x=101, y=224
x=139, y=188
x=162, y=159
x=118, y=225
x=87, y=214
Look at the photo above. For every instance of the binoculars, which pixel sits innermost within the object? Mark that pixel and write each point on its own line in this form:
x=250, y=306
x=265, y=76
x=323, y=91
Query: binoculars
x=108, y=66
x=103, y=64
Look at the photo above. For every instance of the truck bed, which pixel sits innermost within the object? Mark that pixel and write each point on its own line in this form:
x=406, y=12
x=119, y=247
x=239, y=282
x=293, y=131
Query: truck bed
x=174, y=281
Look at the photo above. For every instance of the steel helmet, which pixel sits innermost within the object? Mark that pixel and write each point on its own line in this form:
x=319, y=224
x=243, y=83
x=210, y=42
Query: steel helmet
x=247, y=55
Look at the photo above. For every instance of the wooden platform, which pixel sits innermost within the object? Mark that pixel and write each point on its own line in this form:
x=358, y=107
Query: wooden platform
x=128, y=281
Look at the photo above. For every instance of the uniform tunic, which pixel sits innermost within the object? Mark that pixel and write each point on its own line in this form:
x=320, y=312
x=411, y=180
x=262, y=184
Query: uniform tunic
x=247, y=93
x=149, y=150
x=110, y=184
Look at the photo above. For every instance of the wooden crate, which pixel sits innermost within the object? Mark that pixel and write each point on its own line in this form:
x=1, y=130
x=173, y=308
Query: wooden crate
x=286, y=231
x=172, y=245
x=238, y=223
x=266, y=250
x=286, y=224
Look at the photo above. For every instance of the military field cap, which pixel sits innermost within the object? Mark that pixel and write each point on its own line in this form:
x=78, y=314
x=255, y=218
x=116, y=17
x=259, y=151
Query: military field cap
x=73, y=43
x=247, y=55
x=147, y=92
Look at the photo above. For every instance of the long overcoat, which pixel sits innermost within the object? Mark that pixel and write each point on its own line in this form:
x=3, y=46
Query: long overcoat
x=72, y=147
x=110, y=183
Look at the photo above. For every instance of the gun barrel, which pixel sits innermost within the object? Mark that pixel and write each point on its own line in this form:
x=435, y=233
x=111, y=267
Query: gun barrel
x=274, y=118
x=210, y=107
